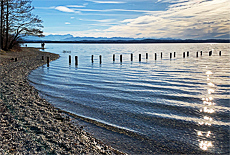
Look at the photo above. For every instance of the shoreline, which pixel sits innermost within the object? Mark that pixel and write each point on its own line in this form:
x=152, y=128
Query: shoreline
x=31, y=125
x=132, y=41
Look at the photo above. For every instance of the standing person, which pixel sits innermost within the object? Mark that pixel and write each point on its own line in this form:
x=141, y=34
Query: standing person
x=43, y=45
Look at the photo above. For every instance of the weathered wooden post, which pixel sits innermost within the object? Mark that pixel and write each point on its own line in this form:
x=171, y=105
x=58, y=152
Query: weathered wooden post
x=92, y=58
x=48, y=61
x=220, y=53
x=131, y=56
x=170, y=55
x=174, y=54
x=210, y=53
x=147, y=55
x=16, y=59
x=100, y=59
x=188, y=54
x=76, y=60
x=121, y=58
x=201, y=53
x=183, y=54
x=42, y=57
x=155, y=56
x=70, y=59
x=113, y=57
x=139, y=57
x=161, y=55
x=197, y=54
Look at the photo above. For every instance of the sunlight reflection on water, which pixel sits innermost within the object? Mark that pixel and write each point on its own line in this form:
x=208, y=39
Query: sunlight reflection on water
x=207, y=138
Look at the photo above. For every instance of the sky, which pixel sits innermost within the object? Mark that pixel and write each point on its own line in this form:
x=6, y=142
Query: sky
x=178, y=19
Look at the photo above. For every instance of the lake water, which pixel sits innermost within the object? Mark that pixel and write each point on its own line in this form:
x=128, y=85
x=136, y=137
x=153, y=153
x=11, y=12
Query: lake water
x=177, y=105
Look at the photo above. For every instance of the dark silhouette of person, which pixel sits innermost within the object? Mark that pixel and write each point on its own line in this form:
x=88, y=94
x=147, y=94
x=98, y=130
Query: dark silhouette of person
x=43, y=45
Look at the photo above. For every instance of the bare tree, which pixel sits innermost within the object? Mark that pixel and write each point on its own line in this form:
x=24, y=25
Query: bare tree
x=18, y=21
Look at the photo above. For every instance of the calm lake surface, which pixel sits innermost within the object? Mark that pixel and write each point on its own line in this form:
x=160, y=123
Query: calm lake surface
x=177, y=105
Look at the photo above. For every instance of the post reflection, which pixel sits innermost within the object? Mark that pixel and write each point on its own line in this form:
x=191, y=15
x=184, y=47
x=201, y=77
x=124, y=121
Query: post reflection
x=206, y=138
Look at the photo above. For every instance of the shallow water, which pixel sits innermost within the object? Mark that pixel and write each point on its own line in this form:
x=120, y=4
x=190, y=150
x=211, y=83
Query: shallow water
x=166, y=105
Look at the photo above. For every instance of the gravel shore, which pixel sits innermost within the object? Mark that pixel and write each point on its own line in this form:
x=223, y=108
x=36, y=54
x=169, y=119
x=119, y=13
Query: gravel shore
x=28, y=123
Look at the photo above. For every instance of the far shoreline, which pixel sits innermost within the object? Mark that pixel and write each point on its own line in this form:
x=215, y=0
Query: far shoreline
x=144, y=41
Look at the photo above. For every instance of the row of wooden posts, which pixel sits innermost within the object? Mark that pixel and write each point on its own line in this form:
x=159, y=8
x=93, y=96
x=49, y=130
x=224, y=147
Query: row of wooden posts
x=147, y=56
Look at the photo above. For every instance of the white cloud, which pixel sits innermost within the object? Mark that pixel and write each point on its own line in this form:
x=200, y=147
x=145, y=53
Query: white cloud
x=193, y=19
x=67, y=23
x=101, y=21
x=79, y=9
x=125, y=10
x=116, y=10
x=76, y=6
x=64, y=9
x=45, y=8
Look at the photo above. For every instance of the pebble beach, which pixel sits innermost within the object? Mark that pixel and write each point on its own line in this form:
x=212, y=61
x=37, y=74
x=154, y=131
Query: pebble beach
x=30, y=124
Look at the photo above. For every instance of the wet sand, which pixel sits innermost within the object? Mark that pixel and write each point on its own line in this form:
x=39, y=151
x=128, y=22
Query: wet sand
x=31, y=125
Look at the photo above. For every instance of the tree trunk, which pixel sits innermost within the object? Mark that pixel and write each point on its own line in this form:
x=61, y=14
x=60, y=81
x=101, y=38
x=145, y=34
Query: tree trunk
x=12, y=41
x=1, y=29
x=7, y=25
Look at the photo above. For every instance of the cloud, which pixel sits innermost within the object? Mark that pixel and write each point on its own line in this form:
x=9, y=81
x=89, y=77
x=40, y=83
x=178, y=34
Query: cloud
x=64, y=9
x=45, y=8
x=194, y=19
x=79, y=9
x=116, y=10
x=76, y=6
x=67, y=23
x=106, y=2
x=185, y=19
x=101, y=21
x=126, y=10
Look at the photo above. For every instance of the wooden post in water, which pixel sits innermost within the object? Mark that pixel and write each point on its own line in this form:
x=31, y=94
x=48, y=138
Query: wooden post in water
x=70, y=59
x=201, y=53
x=139, y=57
x=42, y=57
x=121, y=58
x=113, y=57
x=183, y=54
x=16, y=59
x=48, y=61
x=161, y=55
x=155, y=56
x=174, y=54
x=76, y=60
x=131, y=56
x=170, y=55
x=188, y=54
x=220, y=53
x=92, y=58
x=210, y=53
x=147, y=55
x=100, y=59
x=197, y=54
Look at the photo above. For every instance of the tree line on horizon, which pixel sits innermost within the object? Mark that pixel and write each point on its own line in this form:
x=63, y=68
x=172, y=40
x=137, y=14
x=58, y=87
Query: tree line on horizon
x=17, y=20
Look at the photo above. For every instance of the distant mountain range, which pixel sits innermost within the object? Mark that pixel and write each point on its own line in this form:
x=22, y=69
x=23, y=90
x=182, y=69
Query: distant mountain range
x=71, y=39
